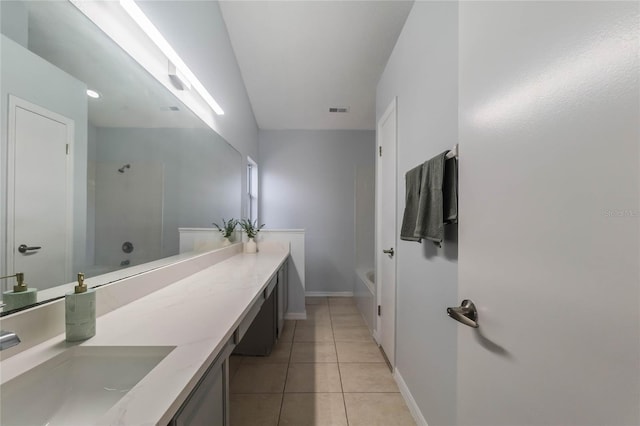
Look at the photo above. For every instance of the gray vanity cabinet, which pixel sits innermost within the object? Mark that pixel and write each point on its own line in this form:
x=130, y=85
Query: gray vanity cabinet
x=208, y=403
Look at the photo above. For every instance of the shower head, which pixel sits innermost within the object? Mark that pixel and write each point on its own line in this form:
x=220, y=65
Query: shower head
x=126, y=166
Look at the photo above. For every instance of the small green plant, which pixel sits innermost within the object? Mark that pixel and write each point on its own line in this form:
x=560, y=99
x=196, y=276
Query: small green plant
x=228, y=227
x=251, y=229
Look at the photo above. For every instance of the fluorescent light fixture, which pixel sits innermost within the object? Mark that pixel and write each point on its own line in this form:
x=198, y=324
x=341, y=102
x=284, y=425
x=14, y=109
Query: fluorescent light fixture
x=152, y=32
x=93, y=94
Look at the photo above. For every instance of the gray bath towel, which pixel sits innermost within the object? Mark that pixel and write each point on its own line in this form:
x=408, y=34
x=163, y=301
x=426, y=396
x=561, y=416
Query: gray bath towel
x=430, y=220
x=412, y=199
x=450, y=191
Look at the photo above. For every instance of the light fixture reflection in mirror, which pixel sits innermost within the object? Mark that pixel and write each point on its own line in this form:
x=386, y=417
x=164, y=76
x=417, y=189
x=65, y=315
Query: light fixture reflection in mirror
x=176, y=171
x=147, y=26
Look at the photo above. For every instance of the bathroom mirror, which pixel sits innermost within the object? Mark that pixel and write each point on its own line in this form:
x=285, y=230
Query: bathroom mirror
x=96, y=185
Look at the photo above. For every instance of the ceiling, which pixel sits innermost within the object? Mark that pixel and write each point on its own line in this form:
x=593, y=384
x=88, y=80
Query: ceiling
x=299, y=58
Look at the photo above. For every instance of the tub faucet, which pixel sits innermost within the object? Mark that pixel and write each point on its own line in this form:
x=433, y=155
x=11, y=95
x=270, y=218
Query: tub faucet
x=8, y=339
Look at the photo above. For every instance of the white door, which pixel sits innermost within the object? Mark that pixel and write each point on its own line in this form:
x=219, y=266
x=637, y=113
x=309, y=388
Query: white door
x=548, y=252
x=39, y=195
x=386, y=231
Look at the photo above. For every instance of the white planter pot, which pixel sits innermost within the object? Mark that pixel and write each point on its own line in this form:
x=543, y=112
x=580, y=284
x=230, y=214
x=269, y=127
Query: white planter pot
x=250, y=246
x=226, y=242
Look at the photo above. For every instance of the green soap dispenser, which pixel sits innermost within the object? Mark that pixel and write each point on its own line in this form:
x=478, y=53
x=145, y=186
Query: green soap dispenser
x=21, y=294
x=80, y=312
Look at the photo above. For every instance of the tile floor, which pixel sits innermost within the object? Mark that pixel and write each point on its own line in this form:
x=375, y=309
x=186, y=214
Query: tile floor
x=325, y=370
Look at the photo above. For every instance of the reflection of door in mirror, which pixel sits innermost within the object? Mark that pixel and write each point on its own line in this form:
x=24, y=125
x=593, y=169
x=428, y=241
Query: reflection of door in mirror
x=39, y=194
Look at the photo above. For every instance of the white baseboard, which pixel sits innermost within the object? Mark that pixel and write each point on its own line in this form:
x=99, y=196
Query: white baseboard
x=408, y=398
x=376, y=337
x=295, y=316
x=329, y=294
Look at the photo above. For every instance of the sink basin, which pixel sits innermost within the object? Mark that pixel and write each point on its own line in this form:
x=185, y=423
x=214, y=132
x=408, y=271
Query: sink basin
x=76, y=387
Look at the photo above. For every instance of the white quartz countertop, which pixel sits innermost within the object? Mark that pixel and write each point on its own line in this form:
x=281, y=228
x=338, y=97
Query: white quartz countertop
x=197, y=315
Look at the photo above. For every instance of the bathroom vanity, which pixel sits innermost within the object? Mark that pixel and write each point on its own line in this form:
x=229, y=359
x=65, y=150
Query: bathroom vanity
x=186, y=329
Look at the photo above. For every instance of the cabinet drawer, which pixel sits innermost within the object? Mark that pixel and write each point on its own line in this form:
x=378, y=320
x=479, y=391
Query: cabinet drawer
x=272, y=284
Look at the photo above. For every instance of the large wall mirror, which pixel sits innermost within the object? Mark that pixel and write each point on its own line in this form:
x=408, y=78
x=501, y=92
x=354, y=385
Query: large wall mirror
x=96, y=185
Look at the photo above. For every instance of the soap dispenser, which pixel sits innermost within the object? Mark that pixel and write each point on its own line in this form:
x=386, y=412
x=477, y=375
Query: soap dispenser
x=21, y=294
x=80, y=312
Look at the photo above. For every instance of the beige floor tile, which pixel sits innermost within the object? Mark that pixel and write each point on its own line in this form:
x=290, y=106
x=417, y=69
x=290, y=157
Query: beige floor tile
x=319, y=319
x=358, y=352
x=344, y=309
x=313, y=409
x=352, y=334
x=319, y=377
x=341, y=301
x=279, y=355
x=367, y=377
x=316, y=301
x=259, y=378
x=318, y=313
x=313, y=352
x=377, y=409
x=317, y=308
x=347, y=320
x=313, y=332
x=255, y=409
x=287, y=331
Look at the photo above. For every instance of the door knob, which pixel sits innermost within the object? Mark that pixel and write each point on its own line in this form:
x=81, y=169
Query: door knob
x=466, y=313
x=23, y=248
x=390, y=252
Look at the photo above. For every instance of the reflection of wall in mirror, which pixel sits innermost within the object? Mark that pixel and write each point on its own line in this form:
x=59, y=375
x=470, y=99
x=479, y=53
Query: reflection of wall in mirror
x=128, y=218
x=201, y=174
x=28, y=77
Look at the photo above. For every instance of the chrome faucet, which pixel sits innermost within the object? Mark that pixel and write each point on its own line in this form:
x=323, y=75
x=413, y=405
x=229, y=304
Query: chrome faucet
x=8, y=339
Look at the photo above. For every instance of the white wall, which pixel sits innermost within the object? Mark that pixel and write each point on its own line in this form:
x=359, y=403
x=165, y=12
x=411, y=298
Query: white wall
x=423, y=72
x=23, y=76
x=307, y=181
x=549, y=135
x=196, y=30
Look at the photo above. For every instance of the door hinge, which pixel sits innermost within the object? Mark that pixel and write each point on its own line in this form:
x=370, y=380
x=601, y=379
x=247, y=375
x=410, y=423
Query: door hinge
x=380, y=150
x=67, y=148
x=379, y=310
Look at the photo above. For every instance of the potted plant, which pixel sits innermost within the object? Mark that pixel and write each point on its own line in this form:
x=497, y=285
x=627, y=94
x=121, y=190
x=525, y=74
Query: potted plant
x=227, y=230
x=252, y=230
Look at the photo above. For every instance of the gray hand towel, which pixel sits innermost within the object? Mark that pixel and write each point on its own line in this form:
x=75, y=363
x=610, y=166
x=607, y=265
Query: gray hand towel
x=412, y=199
x=430, y=222
x=450, y=191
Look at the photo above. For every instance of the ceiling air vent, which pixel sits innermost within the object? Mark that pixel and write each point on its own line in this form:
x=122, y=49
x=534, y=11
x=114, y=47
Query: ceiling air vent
x=339, y=109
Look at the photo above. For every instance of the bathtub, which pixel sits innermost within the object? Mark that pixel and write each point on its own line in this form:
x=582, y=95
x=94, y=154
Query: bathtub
x=365, y=296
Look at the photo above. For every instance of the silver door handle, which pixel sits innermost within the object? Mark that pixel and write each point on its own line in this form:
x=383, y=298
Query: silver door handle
x=390, y=252
x=466, y=313
x=23, y=248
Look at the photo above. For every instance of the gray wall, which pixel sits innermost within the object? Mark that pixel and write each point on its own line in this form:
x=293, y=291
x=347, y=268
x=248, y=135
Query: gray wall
x=196, y=30
x=307, y=181
x=365, y=217
x=423, y=73
x=31, y=78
